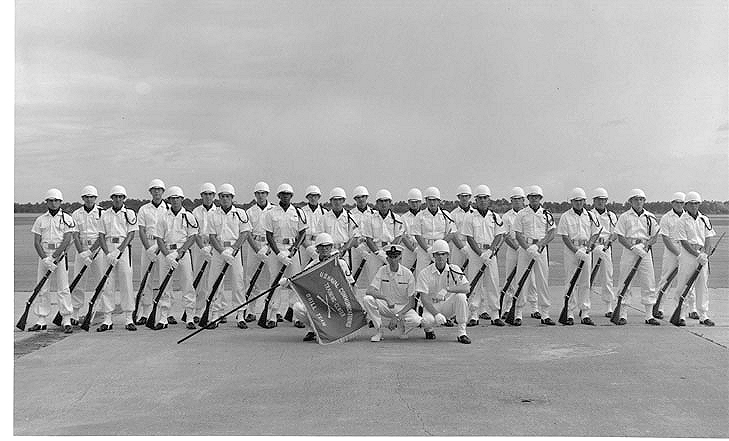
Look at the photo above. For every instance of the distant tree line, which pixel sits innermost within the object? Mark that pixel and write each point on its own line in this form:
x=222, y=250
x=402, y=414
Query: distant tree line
x=498, y=205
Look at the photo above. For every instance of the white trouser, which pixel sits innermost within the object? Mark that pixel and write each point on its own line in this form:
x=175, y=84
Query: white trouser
x=423, y=259
x=198, y=260
x=670, y=262
x=376, y=308
x=580, y=297
x=359, y=253
x=88, y=281
x=408, y=259
x=457, y=256
x=512, y=257
x=42, y=304
x=485, y=295
x=120, y=275
x=456, y=304
x=373, y=264
x=263, y=282
x=603, y=282
x=643, y=277
x=539, y=276
x=152, y=285
x=183, y=273
x=234, y=273
x=686, y=266
x=283, y=298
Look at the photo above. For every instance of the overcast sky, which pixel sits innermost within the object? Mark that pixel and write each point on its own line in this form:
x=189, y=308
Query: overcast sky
x=389, y=94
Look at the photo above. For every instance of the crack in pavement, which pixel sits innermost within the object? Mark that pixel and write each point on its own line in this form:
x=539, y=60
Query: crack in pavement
x=398, y=389
x=695, y=333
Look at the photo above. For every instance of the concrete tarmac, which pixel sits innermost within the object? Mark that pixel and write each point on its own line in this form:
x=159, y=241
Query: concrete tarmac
x=533, y=380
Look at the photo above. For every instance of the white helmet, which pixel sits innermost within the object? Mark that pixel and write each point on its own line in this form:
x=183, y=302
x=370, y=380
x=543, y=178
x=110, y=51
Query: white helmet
x=483, y=190
x=678, y=196
x=415, y=195
x=54, y=193
x=463, y=189
x=337, y=192
x=577, y=193
x=207, y=188
x=227, y=189
x=261, y=186
x=323, y=239
x=89, y=190
x=360, y=191
x=693, y=196
x=312, y=189
x=383, y=194
x=440, y=246
x=156, y=183
x=599, y=193
x=118, y=190
x=285, y=188
x=636, y=192
x=533, y=190
x=431, y=193
x=517, y=192
x=175, y=192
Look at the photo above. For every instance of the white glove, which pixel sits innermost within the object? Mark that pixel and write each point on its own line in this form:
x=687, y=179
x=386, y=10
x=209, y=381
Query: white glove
x=702, y=258
x=283, y=257
x=639, y=250
x=382, y=255
x=582, y=254
x=172, y=259
x=152, y=253
x=48, y=262
x=261, y=254
x=228, y=255
x=486, y=258
x=442, y=294
x=113, y=257
x=207, y=252
x=311, y=251
x=533, y=251
x=440, y=318
x=283, y=281
x=86, y=257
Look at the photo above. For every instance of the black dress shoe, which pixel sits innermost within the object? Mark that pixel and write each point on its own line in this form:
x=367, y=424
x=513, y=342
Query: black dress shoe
x=130, y=327
x=693, y=315
x=429, y=335
x=142, y=321
x=242, y=324
x=68, y=329
x=609, y=314
x=37, y=327
x=160, y=326
x=448, y=323
x=310, y=336
x=104, y=327
x=196, y=320
x=271, y=324
x=370, y=324
x=250, y=318
x=298, y=324
x=472, y=322
x=517, y=322
x=212, y=325
x=550, y=322
x=498, y=322
x=536, y=315
x=588, y=321
x=74, y=322
x=681, y=322
x=485, y=316
x=171, y=320
x=569, y=322
x=464, y=339
x=622, y=321
x=659, y=315
x=707, y=322
x=652, y=321
x=190, y=325
x=279, y=318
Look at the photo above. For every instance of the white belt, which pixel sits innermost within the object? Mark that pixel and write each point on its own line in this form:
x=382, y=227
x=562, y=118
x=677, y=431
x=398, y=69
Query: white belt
x=430, y=241
x=228, y=243
x=174, y=246
x=634, y=241
x=51, y=246
x=532, y=241
x=579, y=242
x=286, y=241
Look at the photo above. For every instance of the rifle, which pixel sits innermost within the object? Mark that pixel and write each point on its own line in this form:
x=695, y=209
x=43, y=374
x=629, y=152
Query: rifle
x=657, y=305
x=509, y=279
x=360, y=268
x=206, y=313
x=563, y=315
x=626, y=284
x=24, y=318
x=97, y=291
x=522, y=281
x=595, y=268
x=142, y=284
x=676, y=316
x=58, y=319
x=264, y=314
x=152, y=319
x=195, y=284
x=480, y=272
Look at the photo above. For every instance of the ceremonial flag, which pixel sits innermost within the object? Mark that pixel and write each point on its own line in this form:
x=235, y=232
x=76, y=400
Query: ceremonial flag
x=333, y=310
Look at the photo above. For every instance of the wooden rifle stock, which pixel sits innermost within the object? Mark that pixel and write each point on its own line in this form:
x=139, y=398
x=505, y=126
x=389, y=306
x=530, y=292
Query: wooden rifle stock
x=22, y=321
x=509, y=279
x=152, y=319
x=97, y=291
x=209, y=301
x=58, y=319
x=263, y=319
x=573, y=281
x=195, y=284
x=657, y=305
x=142, y=284
x=519, y=287
x=626, y=284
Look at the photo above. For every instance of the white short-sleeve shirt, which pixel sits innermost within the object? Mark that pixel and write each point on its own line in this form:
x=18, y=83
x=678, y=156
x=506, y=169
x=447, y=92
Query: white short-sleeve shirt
x=433, y=226
x=52, y=228
x=88, y=223
x=397, y=287
x=284, y=224
x=431, y=281
x=118, y=223
x=534, y=224
x=578, y=226
x=384, y=229
x=176, y=228
x=636, y=226
x=483, y=228
x=148, y=216
x=694, y=231
x=227, y=227
x=341, y=228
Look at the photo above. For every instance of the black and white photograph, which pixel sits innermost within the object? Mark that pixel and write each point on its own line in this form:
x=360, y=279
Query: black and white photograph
x=421, y=218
